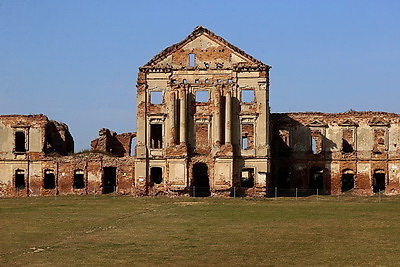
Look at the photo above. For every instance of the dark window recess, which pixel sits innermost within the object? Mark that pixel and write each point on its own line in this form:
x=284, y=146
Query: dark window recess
x=316, y=178
x=347, y=180
x=49, y=180
x=284, y=178
x=314, y=146
x=346, y=146
x=156, y=97
x=201, y=182
x=191, y=60
x=247, y=96
x=79, y=181
x=156, y=136
x=109, y=179
x=378, y=181
x=20, y=142
x=247, y=179
x=19, y=179
x=156, y=175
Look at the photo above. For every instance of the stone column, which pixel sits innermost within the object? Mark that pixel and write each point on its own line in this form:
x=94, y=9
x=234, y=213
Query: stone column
x=228, y=116
x=217, y=114
x=183, y=111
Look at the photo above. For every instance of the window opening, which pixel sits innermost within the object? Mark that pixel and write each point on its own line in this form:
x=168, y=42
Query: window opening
x=229, y=80
x=347, y=180
x=314, y=145
x=245, y=140
x=316, y=178
x=206, y=81
x=133, y=146
x=196, y=81
x=79, y=181
x=156, y=97
x=191, y=59
x=347, y=141
x=247, y=179
x=184, y=81
x=219, y=66
x=378, y=181
x=156, y=136
x=201, y=96
x=247, y=96
x=49, y=180
x=20, y=179
x=206, y=65
x=201, y=182
x=156, y=175
x=109, y=179
x=219, y=80
x=20, y=142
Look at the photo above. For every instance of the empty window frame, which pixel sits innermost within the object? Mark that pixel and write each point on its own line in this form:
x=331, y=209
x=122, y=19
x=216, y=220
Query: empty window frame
x=49, y=181
x=347, y=141
x=20, y=141
x=156, y=175
x=202, y=96
x=316, y=142
x=247, y=136
x=247, y=178
x=79, y=181
x=379, y=141
x=192, y=58
x=19, y=179
x=156, y=136
x=247, y=96
x=156, y=97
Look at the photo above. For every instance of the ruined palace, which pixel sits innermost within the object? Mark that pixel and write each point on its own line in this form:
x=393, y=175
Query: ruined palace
x=204, y=129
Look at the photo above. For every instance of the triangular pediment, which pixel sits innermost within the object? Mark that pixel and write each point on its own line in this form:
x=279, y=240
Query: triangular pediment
x=317, y=123
x=348, y=123
x=207, y=50
x=378, y=122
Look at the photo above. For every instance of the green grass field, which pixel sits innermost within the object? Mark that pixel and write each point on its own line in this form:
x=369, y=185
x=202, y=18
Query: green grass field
x=126, y=231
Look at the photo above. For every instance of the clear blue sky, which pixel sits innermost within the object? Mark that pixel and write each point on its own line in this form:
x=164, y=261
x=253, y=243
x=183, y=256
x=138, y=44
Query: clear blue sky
x=76, y=61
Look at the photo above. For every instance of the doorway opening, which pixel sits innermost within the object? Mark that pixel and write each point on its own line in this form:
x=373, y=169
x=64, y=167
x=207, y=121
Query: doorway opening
x=201, y=182
x=109, y=179
x=378, y=181
x=347, y=180
x=19, y=179
x=316, y=178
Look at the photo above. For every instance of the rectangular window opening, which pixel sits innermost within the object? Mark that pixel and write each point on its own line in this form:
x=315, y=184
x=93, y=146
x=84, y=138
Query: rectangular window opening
x=247, y=96
x=49, y=180
x=202, y=96
x=314, y=145
x=191, y=59
x=79, y=181
x=156, y=175
x=19, y=179
x=156, y=97
x=245, y=142
x=247, y=179
x=20, y=142
x=156, y=136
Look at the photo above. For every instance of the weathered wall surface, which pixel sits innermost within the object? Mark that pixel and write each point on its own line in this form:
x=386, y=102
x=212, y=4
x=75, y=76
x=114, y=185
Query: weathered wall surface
x=357, y=149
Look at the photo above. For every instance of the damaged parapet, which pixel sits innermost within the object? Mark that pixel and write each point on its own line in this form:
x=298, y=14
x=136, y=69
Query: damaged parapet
x=119, y=145
x=33, y=136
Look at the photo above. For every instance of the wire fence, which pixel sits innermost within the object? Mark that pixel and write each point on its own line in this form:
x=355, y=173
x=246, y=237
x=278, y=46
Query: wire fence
x=274, y=193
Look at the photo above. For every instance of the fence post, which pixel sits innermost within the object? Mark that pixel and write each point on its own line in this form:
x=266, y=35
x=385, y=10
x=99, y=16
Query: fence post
x=379, y=196
x=114, y=191
x=194, y=192
x=94, y=192
x=296, y=193
x=74, y=193
x=276, y=192
x=317, y=194
x=338, y=197
x=234, y=192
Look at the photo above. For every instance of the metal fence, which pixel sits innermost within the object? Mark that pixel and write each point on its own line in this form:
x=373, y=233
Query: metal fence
x=274, y=193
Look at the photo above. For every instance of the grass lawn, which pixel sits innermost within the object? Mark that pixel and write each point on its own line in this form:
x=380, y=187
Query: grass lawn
x=126, y=231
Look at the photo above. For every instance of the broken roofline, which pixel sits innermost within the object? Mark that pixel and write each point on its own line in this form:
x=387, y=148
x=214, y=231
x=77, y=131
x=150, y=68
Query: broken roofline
x=196, y=33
